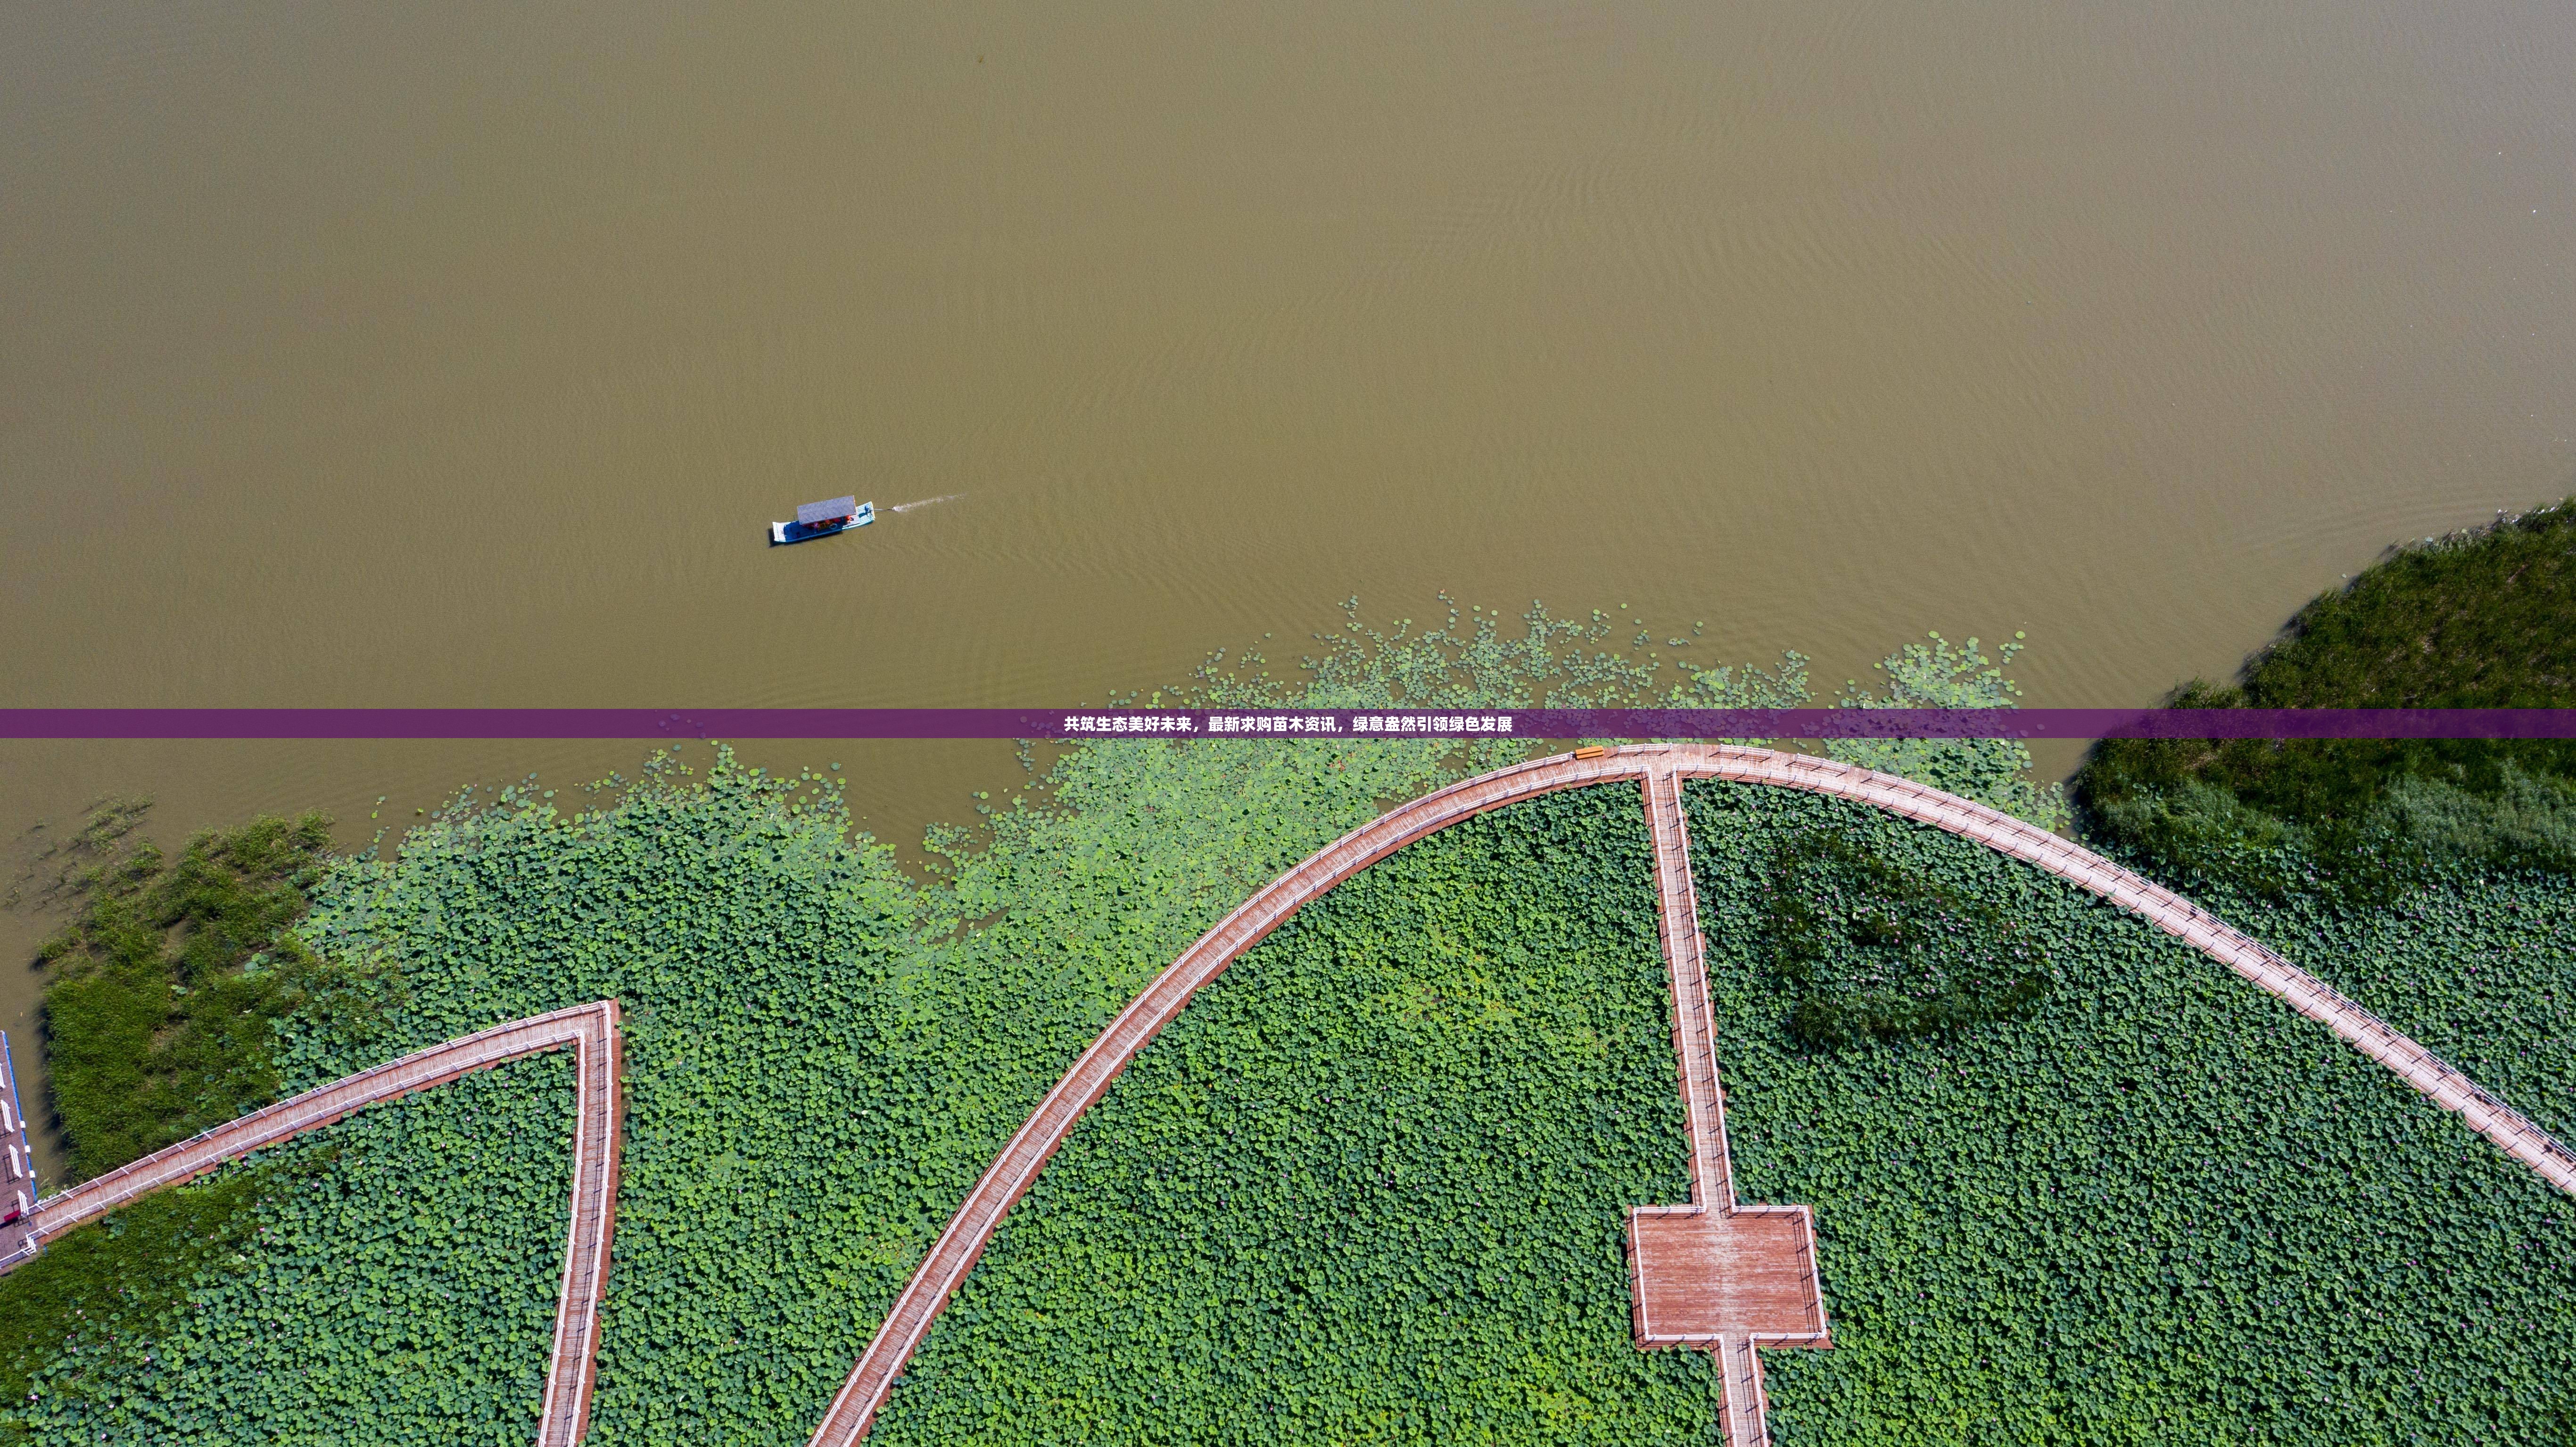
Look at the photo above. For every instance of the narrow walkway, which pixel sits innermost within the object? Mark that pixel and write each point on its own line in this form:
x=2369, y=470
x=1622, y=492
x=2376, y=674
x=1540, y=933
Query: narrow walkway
x=1715, y=1274
x=1686, y=965
x=591, y=1029
x=1015, y=1169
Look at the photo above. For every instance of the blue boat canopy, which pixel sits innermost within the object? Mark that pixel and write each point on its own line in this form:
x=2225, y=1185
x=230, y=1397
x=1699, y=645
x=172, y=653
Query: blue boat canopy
x=811, y=513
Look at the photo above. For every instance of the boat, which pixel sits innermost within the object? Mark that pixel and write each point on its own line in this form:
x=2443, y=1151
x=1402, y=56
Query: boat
x=822, y=519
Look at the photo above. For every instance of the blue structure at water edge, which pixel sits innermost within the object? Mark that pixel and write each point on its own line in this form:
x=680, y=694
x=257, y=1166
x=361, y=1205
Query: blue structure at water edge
x=17, y=1165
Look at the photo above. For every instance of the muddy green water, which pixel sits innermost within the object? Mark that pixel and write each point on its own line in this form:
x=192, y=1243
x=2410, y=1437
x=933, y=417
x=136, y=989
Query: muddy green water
x=460, y=354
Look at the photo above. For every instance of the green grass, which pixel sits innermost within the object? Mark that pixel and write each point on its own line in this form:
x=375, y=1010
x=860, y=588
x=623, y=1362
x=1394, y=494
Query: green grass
x=167, y=987
x=2483, y=619
x=160, y=1018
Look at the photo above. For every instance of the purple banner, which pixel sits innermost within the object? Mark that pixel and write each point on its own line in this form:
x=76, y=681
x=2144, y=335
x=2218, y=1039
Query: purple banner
x=996, y=723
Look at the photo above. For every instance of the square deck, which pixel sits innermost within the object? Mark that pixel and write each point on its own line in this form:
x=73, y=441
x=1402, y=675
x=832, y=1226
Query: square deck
x=1701, y=1276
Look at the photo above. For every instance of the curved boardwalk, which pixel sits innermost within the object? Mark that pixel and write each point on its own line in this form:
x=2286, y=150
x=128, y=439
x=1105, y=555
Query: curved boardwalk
x=2428, y=1073
x=593, y=1032
x=1015, y=1169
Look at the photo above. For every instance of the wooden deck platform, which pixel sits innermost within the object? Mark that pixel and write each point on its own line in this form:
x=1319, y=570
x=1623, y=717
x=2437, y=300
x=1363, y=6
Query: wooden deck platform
x=1703, y=1276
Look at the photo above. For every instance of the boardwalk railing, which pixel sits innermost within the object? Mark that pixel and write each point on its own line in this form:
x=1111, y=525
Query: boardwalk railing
x=593, y=1032
x=962, y=1244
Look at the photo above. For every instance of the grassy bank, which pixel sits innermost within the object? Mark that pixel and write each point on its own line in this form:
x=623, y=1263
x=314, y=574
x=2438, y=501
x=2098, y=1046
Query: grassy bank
x=167, y=990
x=168, y=985
x=2481, y=619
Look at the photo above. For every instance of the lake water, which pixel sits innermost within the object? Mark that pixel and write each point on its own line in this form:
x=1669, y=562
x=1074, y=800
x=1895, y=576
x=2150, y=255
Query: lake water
x=461, y=354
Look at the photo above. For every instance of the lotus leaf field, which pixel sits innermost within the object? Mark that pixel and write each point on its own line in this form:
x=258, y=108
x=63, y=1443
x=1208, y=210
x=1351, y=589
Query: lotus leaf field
x=398, y=1285
x=821, y=1058
x=2161, y=1207
x=1370, y=1187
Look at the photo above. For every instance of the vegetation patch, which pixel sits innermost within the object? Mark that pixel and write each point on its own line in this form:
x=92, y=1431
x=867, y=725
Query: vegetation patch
x=1371, y=1186
x=169, y=983
x=2478, y=964
x=2480, y=619
x=1864, y=950
x=1943, y=674
x=108, y=1284
x=2158, y=1207
x=822, y=1054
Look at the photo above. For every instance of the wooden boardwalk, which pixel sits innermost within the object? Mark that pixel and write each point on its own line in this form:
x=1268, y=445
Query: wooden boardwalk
x=1012, y=1172
x=593, y=1032
x=1715, y=1274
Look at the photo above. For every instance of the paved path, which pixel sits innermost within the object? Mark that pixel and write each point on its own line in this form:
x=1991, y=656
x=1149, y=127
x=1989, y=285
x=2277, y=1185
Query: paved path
x=980, y=1215
x=591, y=1029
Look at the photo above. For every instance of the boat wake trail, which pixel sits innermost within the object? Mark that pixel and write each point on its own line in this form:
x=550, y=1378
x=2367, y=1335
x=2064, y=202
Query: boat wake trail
x=927, y=501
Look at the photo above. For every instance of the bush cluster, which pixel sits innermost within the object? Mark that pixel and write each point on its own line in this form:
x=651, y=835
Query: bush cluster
x=1861, y=949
